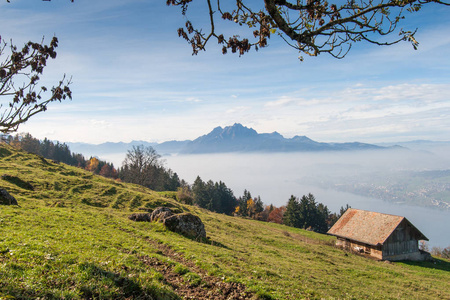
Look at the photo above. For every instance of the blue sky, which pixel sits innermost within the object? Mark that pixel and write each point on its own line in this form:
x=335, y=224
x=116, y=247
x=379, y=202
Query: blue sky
x=135, y=79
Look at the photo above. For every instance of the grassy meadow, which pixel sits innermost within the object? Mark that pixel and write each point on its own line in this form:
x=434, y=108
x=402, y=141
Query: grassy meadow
x=70, y=237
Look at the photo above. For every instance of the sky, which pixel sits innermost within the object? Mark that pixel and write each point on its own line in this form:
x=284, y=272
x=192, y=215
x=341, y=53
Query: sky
x=133, y=78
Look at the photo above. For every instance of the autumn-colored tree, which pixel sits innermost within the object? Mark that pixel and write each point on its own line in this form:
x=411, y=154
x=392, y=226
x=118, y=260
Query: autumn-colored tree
x=105, y=170
x=250, y=208
x=276, y=215
x=108, y=170
x=92, y=164
x=254, y=207
x=264, y=215
x=242, y=203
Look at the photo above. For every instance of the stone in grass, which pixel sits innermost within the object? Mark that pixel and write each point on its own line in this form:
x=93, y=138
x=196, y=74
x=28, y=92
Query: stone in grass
x=142, y=217
x=160, y=213
x=6, y=198
x=186, y=224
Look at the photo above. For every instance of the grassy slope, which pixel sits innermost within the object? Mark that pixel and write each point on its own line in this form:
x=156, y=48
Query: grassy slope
x=71, y=238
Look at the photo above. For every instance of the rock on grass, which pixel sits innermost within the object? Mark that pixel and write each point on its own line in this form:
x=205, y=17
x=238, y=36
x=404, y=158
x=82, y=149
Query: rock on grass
x=6, y=198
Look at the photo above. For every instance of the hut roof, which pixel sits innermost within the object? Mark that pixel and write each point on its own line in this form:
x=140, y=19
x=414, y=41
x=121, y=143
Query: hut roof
x=368, y=227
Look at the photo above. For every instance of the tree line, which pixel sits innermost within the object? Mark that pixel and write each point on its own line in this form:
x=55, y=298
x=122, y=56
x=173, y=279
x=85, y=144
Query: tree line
x=51, y=150
x=141, y=166
x=303, y=213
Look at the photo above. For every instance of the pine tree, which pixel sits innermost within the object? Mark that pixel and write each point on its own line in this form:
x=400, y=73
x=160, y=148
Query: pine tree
x=292, y=214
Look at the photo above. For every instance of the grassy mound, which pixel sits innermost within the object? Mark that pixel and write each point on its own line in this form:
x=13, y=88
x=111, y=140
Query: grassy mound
x=70, y=238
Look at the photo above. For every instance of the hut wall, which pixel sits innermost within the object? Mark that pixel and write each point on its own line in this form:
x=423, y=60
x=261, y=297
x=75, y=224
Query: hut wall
x=373, y=251
x=402, y=241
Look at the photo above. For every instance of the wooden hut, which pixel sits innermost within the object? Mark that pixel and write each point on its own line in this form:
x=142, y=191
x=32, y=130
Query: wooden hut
x=382, y=236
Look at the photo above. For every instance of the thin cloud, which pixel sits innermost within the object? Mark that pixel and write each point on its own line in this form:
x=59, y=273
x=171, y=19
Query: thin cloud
x=283, y=101
x=238, y=109
x=193, y=99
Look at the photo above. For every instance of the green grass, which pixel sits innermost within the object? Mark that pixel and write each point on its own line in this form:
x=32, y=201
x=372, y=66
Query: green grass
x=71, y=238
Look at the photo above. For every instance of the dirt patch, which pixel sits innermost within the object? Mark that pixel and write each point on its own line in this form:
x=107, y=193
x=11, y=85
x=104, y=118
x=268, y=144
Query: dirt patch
x=203, y=286
x=210, y=287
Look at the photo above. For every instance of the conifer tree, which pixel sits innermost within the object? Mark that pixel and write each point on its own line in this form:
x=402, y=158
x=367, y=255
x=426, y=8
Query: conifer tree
x=292, y=214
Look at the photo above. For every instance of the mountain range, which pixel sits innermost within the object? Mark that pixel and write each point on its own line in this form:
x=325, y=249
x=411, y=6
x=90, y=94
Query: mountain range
x=235, y=138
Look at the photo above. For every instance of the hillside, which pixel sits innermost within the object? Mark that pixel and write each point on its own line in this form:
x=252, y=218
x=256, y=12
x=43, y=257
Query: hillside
x=70, y=238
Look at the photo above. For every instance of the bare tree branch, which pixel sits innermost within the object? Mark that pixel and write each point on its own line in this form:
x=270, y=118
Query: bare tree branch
x=310, y=26
x=19, y=77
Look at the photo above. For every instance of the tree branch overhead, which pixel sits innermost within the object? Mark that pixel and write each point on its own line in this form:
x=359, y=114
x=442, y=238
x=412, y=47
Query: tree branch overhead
x=310, y=26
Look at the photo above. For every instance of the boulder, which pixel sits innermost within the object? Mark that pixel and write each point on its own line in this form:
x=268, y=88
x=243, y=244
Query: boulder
x=160, y=213
x=142, y=217
x=186, y=224
x=6, y=198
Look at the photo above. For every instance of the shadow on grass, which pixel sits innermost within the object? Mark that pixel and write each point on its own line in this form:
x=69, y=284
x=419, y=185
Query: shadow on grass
x=436, y=263
x=97, y=276
x=91, y=282
x=208, y=241
x=100, y=282
x=18, y=182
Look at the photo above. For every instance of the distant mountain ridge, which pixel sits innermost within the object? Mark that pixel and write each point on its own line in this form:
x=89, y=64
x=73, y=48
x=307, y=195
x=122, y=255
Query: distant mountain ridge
x=235, y=138
x=238, y=138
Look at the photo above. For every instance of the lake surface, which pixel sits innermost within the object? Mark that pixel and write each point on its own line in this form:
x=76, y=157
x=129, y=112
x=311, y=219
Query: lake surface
x=275, y=177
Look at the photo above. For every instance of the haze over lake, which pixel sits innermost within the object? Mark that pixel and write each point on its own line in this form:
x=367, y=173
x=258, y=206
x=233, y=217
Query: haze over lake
x=277, y=176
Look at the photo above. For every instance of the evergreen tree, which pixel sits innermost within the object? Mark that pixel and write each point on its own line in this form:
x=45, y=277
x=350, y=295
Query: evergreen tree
x=216, y=196
x=226, y=197
x=291, y=216
x=242, y=208
x=343, y=210
x=200, y=193
x=321, y=224
x=306, y=213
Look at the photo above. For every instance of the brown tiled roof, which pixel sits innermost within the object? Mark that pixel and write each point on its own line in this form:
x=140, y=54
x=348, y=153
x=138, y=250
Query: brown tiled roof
x=366, y=226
